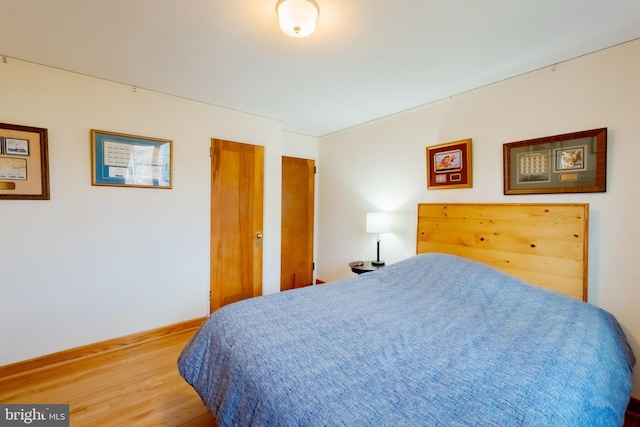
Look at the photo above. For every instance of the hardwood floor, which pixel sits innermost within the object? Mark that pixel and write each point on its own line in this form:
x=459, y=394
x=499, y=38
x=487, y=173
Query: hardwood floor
x=138, y=385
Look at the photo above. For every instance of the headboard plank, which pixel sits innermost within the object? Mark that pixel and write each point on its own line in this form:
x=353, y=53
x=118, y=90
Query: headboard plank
x=543, y=244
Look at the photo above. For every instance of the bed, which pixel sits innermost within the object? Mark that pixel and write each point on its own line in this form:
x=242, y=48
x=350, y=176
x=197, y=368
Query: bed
x=446, y=337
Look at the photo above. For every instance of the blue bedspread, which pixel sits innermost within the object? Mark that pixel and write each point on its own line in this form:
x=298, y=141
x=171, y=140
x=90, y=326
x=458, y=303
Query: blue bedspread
x=434, y=340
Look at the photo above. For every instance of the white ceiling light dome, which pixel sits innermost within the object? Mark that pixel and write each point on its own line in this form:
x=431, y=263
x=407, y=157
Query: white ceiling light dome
x=297, y=17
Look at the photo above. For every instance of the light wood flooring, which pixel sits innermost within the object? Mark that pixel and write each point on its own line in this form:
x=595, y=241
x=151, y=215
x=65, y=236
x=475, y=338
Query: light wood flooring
x=135, y=386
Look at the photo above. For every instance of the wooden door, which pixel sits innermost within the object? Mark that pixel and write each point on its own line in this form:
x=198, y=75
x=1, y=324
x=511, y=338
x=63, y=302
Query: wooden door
x=237, y=183
x=296, y=259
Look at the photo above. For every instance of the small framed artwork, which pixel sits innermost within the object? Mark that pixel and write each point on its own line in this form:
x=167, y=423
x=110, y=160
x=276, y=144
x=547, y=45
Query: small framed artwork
x=569, y=163
x=449, y=165
x=123, y=160
x=24, y=163
x=16, y=146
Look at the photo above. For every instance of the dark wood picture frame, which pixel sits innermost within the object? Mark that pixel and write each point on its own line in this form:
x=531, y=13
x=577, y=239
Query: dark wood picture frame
x=568, y=163
x=449, y=165
x=24, y=163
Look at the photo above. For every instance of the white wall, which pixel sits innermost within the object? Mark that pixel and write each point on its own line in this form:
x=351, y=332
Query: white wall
x=95, y=263
x=300, y=146
x=381, y=166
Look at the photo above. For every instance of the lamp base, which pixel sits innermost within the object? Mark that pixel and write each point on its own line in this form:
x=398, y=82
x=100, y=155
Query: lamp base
x=377, y=262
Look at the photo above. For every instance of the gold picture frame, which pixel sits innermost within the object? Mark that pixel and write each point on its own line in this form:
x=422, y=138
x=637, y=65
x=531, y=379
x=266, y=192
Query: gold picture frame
x=449, y=165
x=24, y=163
x=568, y=163
x=123, y=160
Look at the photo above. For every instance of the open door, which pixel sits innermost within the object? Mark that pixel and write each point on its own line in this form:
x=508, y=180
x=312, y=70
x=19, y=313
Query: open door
x=237, y=193
x=296, y=259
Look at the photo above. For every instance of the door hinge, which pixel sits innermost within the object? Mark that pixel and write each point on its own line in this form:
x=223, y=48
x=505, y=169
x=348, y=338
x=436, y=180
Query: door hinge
x=210, y=151
x=209, y=295
x=315, y=169
x=313, y=266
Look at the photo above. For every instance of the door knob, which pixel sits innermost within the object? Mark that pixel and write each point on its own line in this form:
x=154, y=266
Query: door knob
x=259, y=235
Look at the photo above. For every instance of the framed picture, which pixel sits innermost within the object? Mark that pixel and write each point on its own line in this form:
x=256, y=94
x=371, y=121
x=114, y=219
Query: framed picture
x=569, y=163
x=16, y=146
x=122, y=160
x=24, y=163
x=449, y=165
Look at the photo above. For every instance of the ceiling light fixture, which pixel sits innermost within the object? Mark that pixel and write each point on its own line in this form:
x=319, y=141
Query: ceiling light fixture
x=297, y=17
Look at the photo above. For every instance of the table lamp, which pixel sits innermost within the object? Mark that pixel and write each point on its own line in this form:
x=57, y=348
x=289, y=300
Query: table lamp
x=378, y=222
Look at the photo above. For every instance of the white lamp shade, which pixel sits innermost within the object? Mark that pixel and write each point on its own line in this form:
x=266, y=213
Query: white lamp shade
x=378, y=222
x=297, y=17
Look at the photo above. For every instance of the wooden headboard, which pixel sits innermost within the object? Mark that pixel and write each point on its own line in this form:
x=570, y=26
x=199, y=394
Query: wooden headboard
x=543, y=244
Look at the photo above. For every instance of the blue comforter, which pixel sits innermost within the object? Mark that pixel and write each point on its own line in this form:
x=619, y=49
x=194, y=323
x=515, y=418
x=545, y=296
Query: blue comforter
x=434, y=340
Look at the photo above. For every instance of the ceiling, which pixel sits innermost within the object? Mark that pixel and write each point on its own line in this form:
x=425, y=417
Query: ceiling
x=366, y=60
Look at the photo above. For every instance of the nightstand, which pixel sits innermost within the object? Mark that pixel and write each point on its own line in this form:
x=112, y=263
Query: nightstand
x=360, y=267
